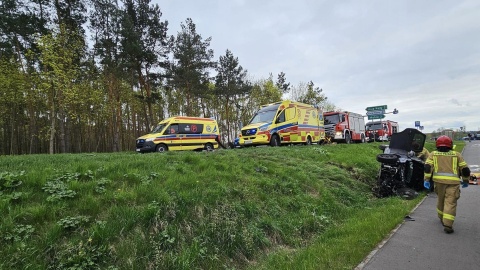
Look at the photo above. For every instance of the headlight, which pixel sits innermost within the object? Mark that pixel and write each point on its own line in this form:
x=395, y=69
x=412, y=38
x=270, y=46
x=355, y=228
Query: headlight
x=264, y=128
x=149, y=139
x=339, y=133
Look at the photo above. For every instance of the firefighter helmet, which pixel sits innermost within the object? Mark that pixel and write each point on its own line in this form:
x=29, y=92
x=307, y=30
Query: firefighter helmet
x=444, y=141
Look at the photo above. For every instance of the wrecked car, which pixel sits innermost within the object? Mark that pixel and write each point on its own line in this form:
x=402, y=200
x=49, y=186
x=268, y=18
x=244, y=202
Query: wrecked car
x=401, y=171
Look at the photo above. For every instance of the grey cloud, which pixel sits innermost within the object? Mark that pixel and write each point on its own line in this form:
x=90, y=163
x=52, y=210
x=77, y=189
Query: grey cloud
x=454, y=101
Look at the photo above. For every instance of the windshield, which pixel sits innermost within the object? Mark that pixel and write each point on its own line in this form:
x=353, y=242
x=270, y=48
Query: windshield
x=265, y=114
x=375, y=126
x=158, y=128
x=331, y=119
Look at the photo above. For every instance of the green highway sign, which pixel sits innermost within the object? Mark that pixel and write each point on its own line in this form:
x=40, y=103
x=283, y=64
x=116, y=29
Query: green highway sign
x=376, y=116
x=377, y=108
x=369, y=113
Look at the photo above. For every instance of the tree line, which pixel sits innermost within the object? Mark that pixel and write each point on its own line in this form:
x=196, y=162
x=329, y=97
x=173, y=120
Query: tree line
x=91, y=76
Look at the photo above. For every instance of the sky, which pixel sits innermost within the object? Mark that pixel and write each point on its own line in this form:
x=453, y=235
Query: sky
x=419, y=57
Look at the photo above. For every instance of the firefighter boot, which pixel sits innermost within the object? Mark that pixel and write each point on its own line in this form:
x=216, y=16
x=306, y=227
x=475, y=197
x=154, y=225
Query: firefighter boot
x=448, y=229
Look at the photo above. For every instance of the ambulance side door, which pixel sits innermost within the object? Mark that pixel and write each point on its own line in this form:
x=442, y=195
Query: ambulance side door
x=174, y=141
x=192, y=137
x=292, y=119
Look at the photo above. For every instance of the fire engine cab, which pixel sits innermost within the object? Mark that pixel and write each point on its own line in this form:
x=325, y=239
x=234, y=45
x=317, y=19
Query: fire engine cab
x=344, y=126
x=381, y=130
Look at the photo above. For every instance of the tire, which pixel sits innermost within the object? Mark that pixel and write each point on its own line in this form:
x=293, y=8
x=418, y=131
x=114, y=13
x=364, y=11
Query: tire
x=309, y=141
x=161, y=148
x=387, y=158
x=209, y=147
x=348, y=138
x=275, y=141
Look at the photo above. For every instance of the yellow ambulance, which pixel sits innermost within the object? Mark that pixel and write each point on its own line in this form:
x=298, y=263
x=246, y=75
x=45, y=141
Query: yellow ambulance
x=180, y=133
x=284, y=122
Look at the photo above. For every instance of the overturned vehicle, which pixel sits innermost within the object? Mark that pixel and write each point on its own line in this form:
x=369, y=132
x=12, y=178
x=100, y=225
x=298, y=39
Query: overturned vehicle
x=401, y=171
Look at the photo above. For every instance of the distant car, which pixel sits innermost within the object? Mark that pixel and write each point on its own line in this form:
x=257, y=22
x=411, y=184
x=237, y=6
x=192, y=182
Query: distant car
x=465, y=138
x=235, y=144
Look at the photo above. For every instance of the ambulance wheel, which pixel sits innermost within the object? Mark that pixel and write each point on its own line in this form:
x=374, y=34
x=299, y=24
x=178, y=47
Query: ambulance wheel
x=161, y=148
x=209, y=147
x=275, y=140
x=309, y=141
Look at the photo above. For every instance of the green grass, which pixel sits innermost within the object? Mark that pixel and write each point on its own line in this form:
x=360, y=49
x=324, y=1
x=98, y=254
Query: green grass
x=259, y=208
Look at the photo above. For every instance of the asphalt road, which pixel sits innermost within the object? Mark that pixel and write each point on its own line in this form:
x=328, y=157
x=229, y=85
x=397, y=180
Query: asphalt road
x=421, y=243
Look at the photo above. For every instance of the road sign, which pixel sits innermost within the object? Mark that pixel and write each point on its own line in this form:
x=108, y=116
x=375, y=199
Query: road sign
x=417, y=123
x=376, y=116
x=376, y=108
x=375, y=112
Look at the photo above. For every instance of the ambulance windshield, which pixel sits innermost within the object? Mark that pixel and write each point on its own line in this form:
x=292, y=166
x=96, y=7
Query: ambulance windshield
x=266, y=114
x=158, y=128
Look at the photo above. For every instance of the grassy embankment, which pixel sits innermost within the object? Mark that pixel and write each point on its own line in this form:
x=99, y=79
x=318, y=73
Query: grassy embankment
x=287, y=207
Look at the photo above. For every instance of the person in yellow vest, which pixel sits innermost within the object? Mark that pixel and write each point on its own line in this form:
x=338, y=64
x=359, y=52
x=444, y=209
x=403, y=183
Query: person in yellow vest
x=445, y=167
x=423, y=155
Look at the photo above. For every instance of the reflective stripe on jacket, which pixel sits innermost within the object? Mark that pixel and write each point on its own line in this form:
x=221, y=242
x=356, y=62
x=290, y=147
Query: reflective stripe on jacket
x=445, y=167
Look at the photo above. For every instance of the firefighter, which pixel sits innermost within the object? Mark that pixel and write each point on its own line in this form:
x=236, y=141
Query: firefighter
x=444, y=166
x=423, y=155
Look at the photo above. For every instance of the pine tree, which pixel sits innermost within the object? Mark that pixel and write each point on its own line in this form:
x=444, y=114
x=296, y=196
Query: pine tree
x=144, y=49
x=282, y=83
x=231, y=84
x=192, y=61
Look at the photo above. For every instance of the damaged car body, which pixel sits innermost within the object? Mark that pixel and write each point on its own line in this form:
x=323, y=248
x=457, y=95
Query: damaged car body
x=401, y=171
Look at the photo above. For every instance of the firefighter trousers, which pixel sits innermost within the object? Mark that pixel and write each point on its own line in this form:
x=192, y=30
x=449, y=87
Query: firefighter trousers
x=447, y=202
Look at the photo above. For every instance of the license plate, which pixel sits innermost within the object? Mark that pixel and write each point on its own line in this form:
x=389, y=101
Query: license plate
x=248, y=141
x=138, y=150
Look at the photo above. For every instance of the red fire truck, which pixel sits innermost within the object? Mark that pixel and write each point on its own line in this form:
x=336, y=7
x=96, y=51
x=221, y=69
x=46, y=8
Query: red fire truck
x=344, y=127
x=381, y=130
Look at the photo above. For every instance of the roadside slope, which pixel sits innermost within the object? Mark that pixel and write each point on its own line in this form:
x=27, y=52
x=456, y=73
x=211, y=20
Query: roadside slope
x=184, y=210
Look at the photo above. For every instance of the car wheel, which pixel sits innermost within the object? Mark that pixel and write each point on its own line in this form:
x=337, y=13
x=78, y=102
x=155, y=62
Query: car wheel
x=161, y=148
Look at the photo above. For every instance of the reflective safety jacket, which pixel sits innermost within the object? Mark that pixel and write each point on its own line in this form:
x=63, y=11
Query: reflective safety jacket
x=445, y=167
